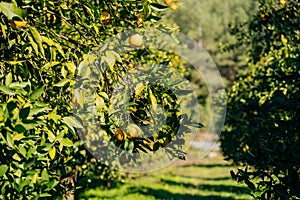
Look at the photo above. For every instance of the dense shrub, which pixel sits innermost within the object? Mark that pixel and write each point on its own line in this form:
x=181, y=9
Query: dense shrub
x=262, y=128
x=42, y=43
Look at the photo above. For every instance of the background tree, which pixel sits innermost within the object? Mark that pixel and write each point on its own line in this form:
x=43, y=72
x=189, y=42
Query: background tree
x=262, y=128
x=209, y=23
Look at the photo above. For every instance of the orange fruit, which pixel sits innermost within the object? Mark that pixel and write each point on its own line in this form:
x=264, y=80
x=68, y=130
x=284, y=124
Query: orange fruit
x=133, y=132
x=174, y=7
x=282, y=2
x=120, y=135
x=245, y=148
x=176, y=58
x=105, y=16
x=168, y=2
x=136, y=40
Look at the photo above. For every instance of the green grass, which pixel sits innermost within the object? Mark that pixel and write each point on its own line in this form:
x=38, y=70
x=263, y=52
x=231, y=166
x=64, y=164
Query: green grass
x=209, y=179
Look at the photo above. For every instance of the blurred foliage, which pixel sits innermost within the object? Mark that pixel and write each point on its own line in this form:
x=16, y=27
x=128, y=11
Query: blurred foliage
x=42, y=43
x=262, y=129
x=210, y=23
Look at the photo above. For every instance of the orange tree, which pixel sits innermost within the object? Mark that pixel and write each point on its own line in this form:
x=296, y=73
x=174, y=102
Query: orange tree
x=42, y=43
x=262, y=129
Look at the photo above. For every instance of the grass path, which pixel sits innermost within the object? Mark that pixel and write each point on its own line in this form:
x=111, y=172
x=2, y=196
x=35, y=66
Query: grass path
x=208, y=179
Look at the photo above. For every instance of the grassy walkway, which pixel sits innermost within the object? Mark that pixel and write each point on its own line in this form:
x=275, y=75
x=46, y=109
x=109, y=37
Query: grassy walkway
x=209, y=179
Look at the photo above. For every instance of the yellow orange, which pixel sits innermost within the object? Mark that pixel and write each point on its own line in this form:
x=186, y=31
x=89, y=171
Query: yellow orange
x=105, y=16
x=174, y=7
x=120, y=135
x=136, y=40
x=282, y=2
x=168, y=2
x=176, y=58
x=133, y=132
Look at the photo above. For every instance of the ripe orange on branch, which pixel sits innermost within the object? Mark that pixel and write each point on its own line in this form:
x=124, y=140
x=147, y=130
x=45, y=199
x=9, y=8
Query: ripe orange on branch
x=136, y=40
x=133, y=132
x=120, y=135
x=105, y=16
x=168, y=2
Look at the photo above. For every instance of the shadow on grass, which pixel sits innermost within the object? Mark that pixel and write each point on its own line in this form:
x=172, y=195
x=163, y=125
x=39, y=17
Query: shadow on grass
x=93, y=184
x=210, y=187
x=206, y=165
x=165, y=194
x=217, y=179
x=205, y=179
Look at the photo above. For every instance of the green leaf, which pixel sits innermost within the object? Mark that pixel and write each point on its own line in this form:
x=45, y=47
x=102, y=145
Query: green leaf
x=36, y=93
x=18, y=85
x=72, y=122
x=36, y=35
x=3, y=29
x=71, y=67
x=45, y=195
x=11, y=10
x=22, y=150
x=62, y=82
x=83, y=69
x=41, y=104
x=6, y=90
x=129, y=145
x=8, y=78
x=3, y=169
x=45, y=175
x=50, y=64
x=66, y=142
x=24, y=183
x=11, y=106
x=110, y=59
x=9, y=140
x=158, y=6
x=29, y=126
x=20, y=128
x=24, y=112
x=153, y=100
x=37, y=110
x=16, y=157
x=48, y=41
x=34, y=45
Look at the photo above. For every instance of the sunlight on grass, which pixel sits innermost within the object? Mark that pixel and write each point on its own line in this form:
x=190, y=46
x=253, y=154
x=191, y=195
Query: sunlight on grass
x=208, y=180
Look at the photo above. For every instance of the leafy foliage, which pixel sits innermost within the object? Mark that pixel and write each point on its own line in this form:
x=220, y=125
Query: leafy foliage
x=262, y=129
x=42, y=42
